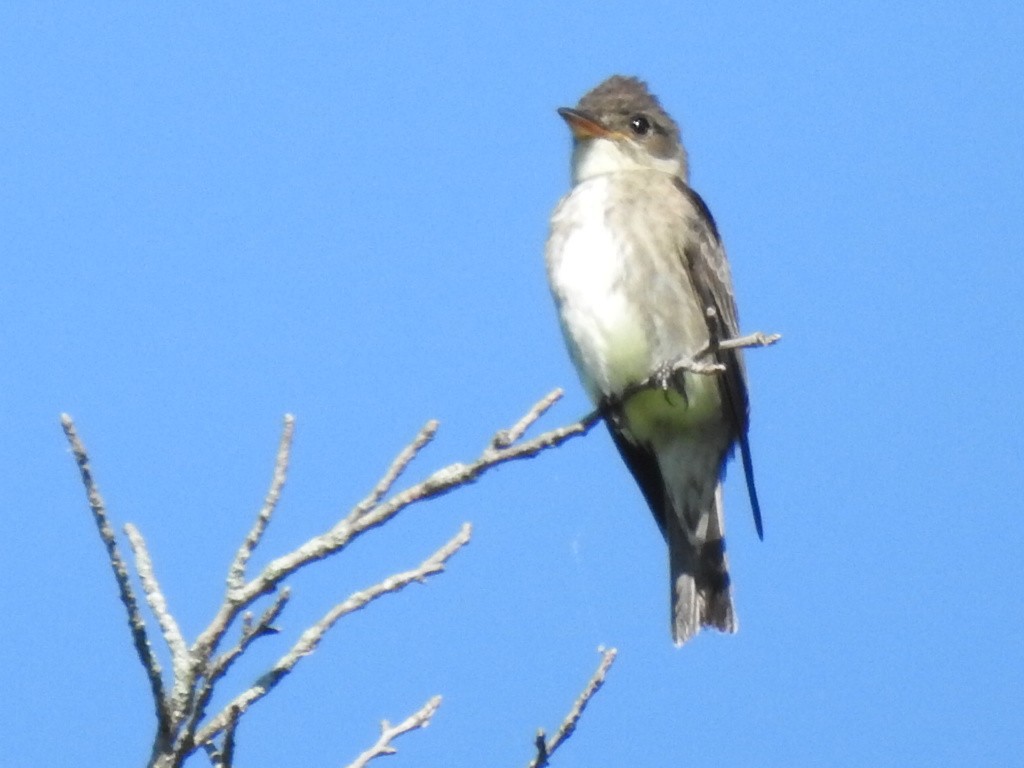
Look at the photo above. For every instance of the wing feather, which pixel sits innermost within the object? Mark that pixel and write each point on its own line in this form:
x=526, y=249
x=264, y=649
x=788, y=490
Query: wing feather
x=704, y=258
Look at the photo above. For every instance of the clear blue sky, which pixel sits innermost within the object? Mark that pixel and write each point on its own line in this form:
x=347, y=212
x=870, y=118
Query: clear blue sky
x=211, y=217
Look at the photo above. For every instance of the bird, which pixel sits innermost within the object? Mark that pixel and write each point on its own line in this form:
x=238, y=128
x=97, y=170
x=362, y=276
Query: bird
x=642, y=288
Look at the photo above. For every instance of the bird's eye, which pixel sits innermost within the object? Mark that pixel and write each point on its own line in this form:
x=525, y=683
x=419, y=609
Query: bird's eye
x=640, y=125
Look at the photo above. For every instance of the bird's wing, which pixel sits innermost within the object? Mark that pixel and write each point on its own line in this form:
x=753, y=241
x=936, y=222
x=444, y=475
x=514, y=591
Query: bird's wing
x=704, y=260
x=643, y=465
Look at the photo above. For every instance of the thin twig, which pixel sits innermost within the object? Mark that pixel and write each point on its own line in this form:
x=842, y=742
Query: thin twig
x=388, y=733
x=254, y=631
x=756, y=339
x=547, y=748
x=219, y=667
x=364, y=518
x=507, y=437
x=310, y=639
x=367, y=516
x=224, y=755
x=750, y=341
x=454, y=475
x=200, y=678
x=398, y=466
x=236, y=573
x=135, y=621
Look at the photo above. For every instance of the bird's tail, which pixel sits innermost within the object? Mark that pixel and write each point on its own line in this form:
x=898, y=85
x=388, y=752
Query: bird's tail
x=701, y=592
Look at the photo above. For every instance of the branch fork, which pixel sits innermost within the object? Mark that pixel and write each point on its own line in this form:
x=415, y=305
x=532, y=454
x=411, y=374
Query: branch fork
x=183, y=724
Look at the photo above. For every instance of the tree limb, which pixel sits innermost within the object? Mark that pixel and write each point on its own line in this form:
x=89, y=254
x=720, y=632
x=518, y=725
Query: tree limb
x=546, y=747
x=398, y=466
x=310, y=639
x=236, y=573
x=135, y=621
x=388, y=732
x=180, y=658
x=197, y=669
x=372, y=512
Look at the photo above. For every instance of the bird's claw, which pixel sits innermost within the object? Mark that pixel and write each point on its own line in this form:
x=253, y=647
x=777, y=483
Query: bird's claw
x=671, y=377
x=668, y=377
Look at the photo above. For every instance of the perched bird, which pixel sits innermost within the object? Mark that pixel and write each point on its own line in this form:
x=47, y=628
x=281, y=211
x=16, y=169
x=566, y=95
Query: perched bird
x=641, y=283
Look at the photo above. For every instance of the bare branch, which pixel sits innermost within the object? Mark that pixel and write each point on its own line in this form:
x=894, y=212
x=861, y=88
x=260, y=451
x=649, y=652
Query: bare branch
x=203, y=674
x=227, y=752
x=398, y=466
x=219, y=667
x=547, y=748
x=756, y=339
x=236, y=573
x=454, y=475
x=310, y=639
x=507, y=437
x=196, y=669
x=250, y=633
x=593, y=686
x=180, y=657
x=135, y=621
x=364, y=517
x=388, y=733
x=367, y=515
x=224, y=755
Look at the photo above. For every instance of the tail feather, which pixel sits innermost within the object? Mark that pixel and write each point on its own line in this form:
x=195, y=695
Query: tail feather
x=701, y=591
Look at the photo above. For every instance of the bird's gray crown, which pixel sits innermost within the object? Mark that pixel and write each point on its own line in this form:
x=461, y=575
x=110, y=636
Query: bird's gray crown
x=620, y=126
x=622, y=97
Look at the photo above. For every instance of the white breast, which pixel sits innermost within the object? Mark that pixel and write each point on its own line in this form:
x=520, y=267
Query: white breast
x=604, y=330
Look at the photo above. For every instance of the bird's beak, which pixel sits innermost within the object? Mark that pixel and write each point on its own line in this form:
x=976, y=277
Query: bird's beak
x=582, y=125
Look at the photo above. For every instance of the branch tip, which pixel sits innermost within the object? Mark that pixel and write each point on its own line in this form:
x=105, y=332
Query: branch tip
x=507, y=437
x=419, y=719
x=136, y=624
x=546, y=747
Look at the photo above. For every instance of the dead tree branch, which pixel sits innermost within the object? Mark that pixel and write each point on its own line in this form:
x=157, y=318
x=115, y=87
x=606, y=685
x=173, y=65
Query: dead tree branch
x=182, y=722
x=236, y=573
x=183, y=725
x=310, y=639
x=546, y=747
x=388, y=733
x=136, y=623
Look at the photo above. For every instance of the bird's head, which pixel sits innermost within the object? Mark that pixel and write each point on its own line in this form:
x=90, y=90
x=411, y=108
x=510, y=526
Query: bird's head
x=620, y=126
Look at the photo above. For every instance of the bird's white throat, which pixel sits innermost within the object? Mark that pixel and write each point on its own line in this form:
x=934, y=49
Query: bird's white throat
x=600, y=156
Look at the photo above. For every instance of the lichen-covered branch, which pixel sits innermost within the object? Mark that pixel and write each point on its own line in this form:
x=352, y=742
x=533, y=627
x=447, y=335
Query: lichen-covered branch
x=136, y=623
x=547, y=747
x=388, y=733
x=310, y=639
x=236, y=573
x=183, y=725
x=180, y=659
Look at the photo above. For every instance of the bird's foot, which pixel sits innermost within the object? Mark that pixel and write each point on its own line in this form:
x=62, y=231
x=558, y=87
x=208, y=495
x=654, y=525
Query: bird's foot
x=670, y=377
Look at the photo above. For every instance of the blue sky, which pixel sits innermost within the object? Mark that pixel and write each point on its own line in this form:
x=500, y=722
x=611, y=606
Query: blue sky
x=214, y=216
